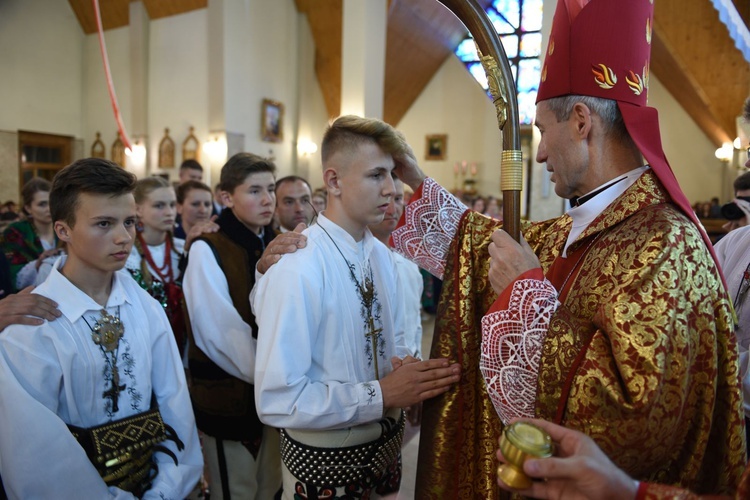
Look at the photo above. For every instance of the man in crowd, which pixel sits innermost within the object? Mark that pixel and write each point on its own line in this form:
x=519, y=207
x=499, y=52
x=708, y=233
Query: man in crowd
x=293, y=202
x=191, y=170
x=598, y=318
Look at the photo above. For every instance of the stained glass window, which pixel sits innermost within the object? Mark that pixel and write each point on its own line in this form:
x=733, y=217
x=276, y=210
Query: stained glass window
x=518, y=22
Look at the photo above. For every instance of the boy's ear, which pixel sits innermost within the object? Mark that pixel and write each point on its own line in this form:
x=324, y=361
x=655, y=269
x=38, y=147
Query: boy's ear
x=331, y=181
x=63, y=231
x=226, y=199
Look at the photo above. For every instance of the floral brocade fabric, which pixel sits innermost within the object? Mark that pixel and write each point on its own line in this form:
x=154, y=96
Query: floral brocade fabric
x=641, y=354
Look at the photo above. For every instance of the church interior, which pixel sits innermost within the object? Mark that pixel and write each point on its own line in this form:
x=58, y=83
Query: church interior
x=205, y=79
x=201, y=77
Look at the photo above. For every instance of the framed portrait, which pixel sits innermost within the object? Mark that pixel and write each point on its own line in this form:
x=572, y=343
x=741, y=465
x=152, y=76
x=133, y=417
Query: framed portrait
x=436, y=147
x=272, y=121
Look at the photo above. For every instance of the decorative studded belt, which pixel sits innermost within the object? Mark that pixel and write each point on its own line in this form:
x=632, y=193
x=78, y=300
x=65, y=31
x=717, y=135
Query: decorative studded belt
x=122, y=451
x=346, y=465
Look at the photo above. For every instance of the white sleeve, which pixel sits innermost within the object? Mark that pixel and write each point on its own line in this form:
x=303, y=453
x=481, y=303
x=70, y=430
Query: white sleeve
x=218, y=329
x=33, y=437
x=286, y=394
x=26, y=275
x=171, y=392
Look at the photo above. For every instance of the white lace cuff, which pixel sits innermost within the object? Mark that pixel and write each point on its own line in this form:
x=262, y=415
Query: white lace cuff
x=430, y=224
x=512, y=342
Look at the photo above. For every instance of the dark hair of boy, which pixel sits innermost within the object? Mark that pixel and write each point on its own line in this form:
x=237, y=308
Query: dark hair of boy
x=238, y=167
x=348, y=132
x=89, y=175
x=183, y=189
x=742, y=182
x=292, y=178
x=191, y=164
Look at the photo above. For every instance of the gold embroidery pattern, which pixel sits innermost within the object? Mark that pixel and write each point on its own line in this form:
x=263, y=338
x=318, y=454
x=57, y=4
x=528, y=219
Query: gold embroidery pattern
x=632, y=391
x=634, y=301
x=462, y=419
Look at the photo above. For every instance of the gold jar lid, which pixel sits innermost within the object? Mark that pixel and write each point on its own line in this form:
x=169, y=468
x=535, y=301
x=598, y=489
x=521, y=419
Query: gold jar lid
x=530, y=439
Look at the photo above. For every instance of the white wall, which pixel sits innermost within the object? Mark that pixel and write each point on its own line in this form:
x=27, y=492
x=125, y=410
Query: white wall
x=177, y=83
x=688, y=149
x=261, y=62
x=455, y=105
x=41, y=61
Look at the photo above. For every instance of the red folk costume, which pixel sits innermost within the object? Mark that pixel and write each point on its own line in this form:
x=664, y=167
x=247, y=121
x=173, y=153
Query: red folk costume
x=624, y=333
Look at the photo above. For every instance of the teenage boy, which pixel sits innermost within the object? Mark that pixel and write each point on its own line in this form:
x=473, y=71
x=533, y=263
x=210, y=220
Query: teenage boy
x=241, y=453
x=86, y=399
x=332, y=369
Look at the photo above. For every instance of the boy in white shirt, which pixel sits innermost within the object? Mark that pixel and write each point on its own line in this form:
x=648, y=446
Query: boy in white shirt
x=332, y=367
x=96, y=399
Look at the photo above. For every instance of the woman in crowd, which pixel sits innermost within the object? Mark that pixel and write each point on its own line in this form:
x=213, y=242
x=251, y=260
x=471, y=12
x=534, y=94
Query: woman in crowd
x=154, y=260
x=194, y=204
x=28, y=242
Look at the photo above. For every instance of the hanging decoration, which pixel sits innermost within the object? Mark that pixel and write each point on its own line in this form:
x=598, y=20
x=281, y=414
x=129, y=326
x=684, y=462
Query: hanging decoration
x=110, y=86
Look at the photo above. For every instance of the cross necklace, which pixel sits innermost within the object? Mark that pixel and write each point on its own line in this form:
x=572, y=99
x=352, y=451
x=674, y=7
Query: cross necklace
x=106, y=333
x=368, y=297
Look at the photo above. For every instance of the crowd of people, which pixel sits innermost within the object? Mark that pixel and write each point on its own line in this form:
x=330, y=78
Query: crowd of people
x=264, y=338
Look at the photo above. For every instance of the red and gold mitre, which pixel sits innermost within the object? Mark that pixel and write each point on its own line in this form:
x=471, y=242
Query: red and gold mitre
x=602, y=48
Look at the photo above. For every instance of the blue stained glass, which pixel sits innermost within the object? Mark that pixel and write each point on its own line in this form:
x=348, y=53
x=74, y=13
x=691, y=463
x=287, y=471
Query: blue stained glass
x=510, y=44
x=467, y=50
x=528, y=79
x=509, y=10
x=531, y=18
x=501, y=25
x=477, y=71
x=513, y=20
x=526, y=107
x=531, y=45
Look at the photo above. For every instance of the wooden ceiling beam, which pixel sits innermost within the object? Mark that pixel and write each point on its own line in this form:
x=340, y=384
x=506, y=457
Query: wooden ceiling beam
x=695, y=59
x=116, y=13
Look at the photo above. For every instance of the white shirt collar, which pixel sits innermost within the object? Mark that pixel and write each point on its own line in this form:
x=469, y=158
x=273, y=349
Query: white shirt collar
x=345, y=241
x=72, y=301
x=583, y=215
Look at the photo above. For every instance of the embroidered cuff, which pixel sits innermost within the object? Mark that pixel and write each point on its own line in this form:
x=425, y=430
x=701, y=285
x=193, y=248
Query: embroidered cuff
x=512, y=339
x=427, y=227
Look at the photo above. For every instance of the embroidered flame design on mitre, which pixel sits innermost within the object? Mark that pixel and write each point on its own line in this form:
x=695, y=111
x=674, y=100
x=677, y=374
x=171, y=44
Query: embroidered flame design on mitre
x=648, y=31
x=635, y=82
x=604, y=76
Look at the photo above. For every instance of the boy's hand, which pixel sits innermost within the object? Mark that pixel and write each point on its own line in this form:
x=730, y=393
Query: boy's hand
x=415, y=381
x=282, y=244
x=26, y=308
x=407, y=168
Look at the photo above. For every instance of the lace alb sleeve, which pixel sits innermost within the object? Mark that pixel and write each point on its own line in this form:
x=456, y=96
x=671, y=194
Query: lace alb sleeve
x=512, y=342
x=430, y=224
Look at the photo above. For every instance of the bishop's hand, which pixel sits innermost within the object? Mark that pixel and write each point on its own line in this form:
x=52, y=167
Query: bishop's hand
x=508, y=260
x=407, y=169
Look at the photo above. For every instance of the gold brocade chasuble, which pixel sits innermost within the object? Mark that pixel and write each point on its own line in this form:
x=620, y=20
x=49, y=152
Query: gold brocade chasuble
x=641, y=355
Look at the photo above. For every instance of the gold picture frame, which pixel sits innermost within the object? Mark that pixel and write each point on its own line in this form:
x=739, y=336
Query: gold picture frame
x=272, y=121
x=436, y=147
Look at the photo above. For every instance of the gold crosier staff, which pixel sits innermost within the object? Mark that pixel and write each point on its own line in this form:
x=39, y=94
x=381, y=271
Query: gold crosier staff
x=503, y=90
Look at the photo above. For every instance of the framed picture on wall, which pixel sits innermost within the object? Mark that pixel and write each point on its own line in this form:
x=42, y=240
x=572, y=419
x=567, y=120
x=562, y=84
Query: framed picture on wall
x=436, y=146
x=272, y=121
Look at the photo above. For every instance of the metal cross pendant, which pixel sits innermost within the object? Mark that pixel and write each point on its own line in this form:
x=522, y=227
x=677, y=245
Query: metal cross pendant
x=373, y=334
x=113, y=393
